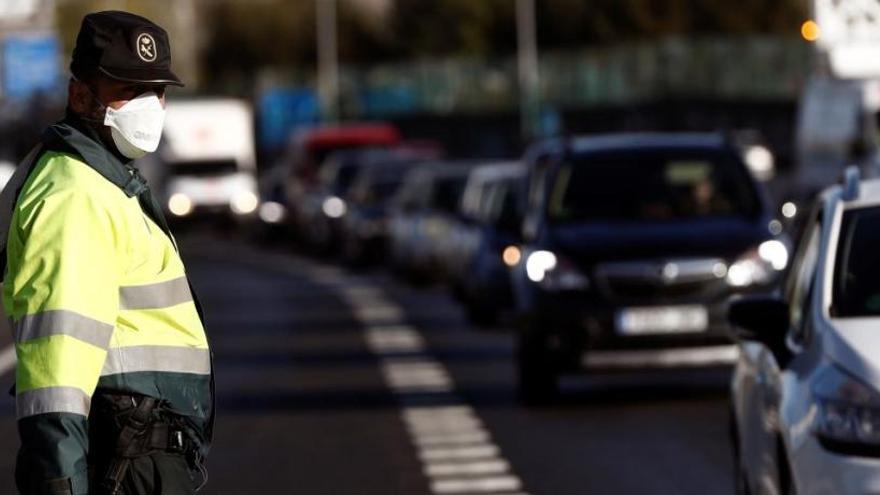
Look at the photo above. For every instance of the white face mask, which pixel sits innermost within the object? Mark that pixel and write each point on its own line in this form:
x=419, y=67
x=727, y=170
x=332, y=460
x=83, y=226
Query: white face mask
x=136, y=127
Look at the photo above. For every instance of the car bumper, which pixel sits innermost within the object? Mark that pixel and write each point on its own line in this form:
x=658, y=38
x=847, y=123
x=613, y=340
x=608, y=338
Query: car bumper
x=817, y=470
x=585, y=334
x=703, y=356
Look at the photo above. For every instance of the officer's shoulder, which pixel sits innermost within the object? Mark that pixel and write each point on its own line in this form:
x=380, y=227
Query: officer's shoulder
x=57, y=172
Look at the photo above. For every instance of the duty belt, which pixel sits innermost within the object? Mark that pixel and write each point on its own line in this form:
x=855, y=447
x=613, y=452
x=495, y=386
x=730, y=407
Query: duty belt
x=141, y=426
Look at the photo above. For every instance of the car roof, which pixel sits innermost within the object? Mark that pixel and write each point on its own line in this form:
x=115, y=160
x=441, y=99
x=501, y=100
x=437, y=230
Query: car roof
x=868, y=194
x=360, y=134
x=498, y=171
x=445, y=168
x=634, y=141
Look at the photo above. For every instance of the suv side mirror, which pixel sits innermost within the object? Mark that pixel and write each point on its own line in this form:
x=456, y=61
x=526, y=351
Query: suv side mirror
x=763, y=319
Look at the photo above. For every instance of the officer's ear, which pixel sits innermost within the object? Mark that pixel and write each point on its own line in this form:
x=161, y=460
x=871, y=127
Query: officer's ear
x=79, y=98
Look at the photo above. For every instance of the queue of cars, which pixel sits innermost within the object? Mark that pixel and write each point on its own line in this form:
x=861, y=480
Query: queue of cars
x=646, y=251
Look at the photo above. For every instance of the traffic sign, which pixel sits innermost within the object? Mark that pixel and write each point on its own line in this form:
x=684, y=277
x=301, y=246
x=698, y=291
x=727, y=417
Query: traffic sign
x=30, y=64
x=849, y=32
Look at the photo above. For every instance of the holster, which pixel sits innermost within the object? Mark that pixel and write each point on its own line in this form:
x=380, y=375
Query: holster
x=124, y=427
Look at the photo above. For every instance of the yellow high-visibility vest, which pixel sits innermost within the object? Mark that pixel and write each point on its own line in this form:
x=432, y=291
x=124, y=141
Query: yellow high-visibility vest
x=99, y=300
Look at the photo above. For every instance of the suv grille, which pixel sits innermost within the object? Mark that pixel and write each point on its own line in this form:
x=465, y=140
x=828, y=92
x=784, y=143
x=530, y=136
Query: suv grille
x=667, y=280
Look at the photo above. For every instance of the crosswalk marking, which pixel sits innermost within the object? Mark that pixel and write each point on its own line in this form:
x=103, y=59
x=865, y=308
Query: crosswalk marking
x=457, y=452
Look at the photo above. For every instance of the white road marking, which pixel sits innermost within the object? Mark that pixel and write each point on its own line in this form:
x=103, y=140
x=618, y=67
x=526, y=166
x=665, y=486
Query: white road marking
x=458, y=453
x=494, y=466
x=476, y=485
x=416, y=375
x=446, y=425
x=362, y=293
x=438, y=439
x=378, y=314
x=7, y=359
x=394, y=339
x=456, y=450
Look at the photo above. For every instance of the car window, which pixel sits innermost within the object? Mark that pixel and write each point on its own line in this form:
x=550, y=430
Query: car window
x=446, y=193
x=475, y=190
x=652, y=185
x=801, y=278
x=538, y=181
x=856, y=289
x=410, y=194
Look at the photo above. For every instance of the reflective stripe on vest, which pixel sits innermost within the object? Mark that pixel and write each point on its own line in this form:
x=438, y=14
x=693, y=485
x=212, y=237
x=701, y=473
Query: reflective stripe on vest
x=52, y=400
x=154, y=296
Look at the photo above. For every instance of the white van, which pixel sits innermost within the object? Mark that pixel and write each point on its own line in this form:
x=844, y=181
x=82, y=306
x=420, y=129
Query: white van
x=208, y=151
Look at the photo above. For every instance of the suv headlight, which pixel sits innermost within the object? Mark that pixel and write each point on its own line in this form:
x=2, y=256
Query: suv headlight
x=554, y=273
x=759, y=266
x=848, y=418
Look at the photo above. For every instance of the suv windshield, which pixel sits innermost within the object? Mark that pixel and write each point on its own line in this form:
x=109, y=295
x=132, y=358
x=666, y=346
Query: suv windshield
x=856, y=284
x=652, y=185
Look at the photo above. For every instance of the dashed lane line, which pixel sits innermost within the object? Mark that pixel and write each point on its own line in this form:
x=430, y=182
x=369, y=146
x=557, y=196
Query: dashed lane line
x=456, y=450
x=490, y=475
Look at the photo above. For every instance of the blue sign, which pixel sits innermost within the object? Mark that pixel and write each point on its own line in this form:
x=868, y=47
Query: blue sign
x=283, y=110
x=387, y=100
x=30, y=65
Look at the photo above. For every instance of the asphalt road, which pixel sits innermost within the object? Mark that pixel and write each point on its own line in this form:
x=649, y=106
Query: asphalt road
x=337, y=383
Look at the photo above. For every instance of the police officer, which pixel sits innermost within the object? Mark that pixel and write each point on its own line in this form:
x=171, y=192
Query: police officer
x=114, y=387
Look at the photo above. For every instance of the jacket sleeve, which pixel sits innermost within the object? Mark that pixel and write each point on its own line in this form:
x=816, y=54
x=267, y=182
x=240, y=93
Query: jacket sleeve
x=62, y=292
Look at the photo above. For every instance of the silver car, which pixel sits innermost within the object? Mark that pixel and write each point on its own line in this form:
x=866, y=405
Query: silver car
x=806, y=388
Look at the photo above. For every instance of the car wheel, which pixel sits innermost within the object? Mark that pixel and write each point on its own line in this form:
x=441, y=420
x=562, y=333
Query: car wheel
x=537, y=377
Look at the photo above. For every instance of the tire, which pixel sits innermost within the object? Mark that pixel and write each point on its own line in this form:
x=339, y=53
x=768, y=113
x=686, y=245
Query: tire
x=536, y=375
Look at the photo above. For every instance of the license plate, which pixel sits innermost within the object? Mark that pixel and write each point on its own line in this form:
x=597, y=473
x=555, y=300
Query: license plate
x=662, y=320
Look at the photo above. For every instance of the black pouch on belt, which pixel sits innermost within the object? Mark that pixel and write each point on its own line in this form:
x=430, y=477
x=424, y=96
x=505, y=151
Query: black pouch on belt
x=124, y=427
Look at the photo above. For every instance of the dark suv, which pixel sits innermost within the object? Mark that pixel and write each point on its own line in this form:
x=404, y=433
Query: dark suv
x=633, y=243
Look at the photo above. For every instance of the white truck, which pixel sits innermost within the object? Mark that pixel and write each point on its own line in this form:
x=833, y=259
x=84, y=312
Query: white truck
x=836, y=127
x=209, y=157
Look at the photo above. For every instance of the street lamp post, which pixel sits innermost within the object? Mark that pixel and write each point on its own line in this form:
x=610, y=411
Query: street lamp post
x=328, y=62
x=527, y=63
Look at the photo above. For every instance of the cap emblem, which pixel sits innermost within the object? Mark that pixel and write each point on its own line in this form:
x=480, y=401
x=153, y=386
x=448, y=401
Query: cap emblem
x=146, y=47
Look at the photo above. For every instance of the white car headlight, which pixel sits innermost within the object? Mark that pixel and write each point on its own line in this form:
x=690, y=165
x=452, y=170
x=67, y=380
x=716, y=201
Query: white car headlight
x=848, y=410
x=759, y=266
x=272, y=212
x=554, y=273
x=334, y=207
x=244, y=203
x=180, y=205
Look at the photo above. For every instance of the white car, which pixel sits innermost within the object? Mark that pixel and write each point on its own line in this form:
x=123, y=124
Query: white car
x=806, y=389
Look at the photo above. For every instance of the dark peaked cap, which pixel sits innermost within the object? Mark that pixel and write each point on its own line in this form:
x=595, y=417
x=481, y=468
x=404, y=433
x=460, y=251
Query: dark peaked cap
x=123, y=46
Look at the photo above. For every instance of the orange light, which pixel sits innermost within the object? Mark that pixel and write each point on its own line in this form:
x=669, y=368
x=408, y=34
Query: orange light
x=810, y=30
x=511, y=255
